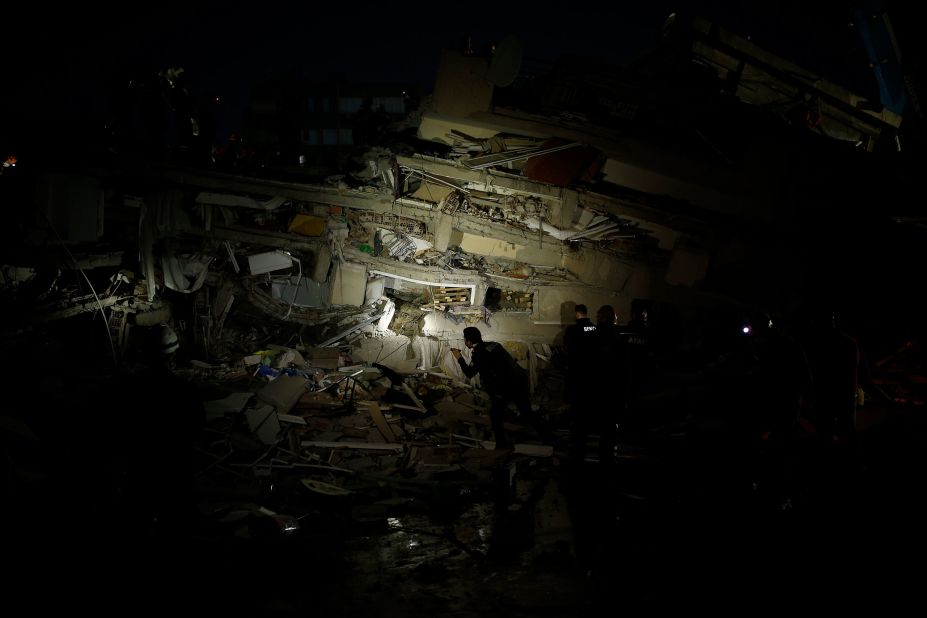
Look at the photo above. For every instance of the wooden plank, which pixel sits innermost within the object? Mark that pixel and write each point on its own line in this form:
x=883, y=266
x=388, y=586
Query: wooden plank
x=353, y=445
x=381, y=423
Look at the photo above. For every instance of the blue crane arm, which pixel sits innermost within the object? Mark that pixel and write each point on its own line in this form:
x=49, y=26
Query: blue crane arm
x=878, y=39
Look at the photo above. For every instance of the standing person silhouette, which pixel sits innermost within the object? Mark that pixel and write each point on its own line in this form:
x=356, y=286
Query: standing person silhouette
x=504, y=380
x=611, y=375
x=579, y=342
x=641, y=362
x=592, y=496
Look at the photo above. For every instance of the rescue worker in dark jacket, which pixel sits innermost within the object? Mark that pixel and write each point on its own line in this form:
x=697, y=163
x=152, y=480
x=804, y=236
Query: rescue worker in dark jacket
x=640, y=357
x=501, y=377
x=577, y=333
x=580, y=344
x=601, y=363
x=611, y=375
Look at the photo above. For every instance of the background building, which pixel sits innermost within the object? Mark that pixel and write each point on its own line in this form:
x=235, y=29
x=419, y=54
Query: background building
x=318, y=126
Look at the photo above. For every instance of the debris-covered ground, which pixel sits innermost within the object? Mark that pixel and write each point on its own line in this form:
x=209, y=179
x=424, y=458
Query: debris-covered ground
x=351, y=489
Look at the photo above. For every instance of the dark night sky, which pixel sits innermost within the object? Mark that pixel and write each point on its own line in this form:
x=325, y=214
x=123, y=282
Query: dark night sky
x=66, y=57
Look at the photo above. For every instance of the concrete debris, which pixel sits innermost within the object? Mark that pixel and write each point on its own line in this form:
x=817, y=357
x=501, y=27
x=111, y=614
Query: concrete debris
x=319, y=316
x=263, y=423
x=232, y=404
x=283, y=392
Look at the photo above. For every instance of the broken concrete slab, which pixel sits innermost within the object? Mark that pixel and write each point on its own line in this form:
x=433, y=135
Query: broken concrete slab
x=262, y=421
x=231, y=404
x=283, y=392
x=321, y=265
x=443, y=230
x=432, y=192
x=348, y=284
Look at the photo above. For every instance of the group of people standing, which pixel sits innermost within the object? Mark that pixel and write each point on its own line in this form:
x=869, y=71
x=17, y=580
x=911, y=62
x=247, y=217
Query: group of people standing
x=807, y=369
x=597, y=380
x=607, y=367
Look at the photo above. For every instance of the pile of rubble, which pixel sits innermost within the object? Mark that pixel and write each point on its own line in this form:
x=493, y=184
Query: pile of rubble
x=311, y=414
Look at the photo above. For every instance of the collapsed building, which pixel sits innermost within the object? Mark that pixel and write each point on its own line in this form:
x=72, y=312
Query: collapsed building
x=329, y=306
x=587, y=188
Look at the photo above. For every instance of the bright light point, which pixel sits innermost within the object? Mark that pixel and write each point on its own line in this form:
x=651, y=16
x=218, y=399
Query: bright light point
x=746, y=330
